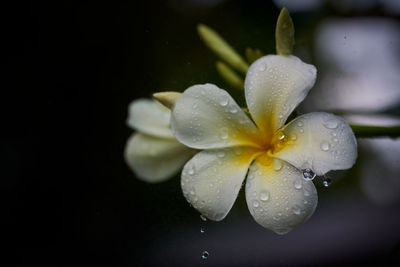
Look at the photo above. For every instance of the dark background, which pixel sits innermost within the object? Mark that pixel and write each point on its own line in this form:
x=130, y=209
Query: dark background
x=69, y=71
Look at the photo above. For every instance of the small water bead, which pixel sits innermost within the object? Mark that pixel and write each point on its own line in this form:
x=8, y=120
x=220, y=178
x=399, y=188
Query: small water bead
x=277, y=165
x=204, y=255
x=221, y=154
x=308, y=174
x=297, y=184
x=300, y=123
x=281, y=136
x=233, y=110
x=256, y=204
x=203, y=218
x=202, y=230
x=296, y=210
x=224, y=101
x=293, y=137
x=262, y=67
x=223, y=133
x=264, y=196
x=331, y=124
x=324, y=146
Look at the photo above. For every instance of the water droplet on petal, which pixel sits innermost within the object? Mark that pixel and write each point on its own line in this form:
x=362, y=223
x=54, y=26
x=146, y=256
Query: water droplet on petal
x=262, y=67
x=221, y=154
x=297, y=184
x=204, y=255
x=324, y=146
x=293, y=137
x=202, y=217
x=296, y=210
x=223, y=133
x=308, y=174
x=256, y=204
x=277, y=164
x=233, y=110
x=264, y=196
x=300, y=123
x=223, y=101
x=331, y=124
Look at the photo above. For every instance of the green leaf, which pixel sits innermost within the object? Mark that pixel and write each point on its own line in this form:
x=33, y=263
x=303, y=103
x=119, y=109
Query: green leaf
x=284, y=33
x=230, y=76
x=220, y=47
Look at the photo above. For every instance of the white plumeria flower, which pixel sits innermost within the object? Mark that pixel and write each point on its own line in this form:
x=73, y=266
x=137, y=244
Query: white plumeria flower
x=272, y=154
x=153, y=153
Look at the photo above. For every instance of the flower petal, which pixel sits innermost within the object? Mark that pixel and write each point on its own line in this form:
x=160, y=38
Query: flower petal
x=208, y=117
x=274, y=86
x=155, y=159
x=212, y=179
x=278, y=197
x=319, y=141
x=149, y=117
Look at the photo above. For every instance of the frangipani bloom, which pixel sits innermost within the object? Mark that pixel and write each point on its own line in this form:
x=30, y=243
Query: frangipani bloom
x=272, y=155
x=152, y=152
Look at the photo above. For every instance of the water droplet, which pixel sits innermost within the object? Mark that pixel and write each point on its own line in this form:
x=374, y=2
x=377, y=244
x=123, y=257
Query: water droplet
x=308, y=174
x=256, y=204
x=324, y=146
x=223, y=101
x=203, y=217
x=297, y=184
x=204, y=255
x=300, y=123
x=263, y=67
x=264, y=196
x=223, y=133
x=221, y=154
x=202, y=230
x=327, y=181
x=192, y=192
x=293, y=137
x=233, y=110
x=194, y=106
x=281, y=136
x=238, y=150
x=331, y=124
x=277, y=164
x=296, y=210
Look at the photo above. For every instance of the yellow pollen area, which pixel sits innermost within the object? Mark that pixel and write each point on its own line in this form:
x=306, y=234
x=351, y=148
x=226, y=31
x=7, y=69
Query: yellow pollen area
x=267, y=146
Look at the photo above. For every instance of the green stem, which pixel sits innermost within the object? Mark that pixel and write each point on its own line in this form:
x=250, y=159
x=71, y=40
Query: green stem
x=375, y=131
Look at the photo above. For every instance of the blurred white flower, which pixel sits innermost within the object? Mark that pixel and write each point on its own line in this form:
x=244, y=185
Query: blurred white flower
x=273, y=155
x=153, y=153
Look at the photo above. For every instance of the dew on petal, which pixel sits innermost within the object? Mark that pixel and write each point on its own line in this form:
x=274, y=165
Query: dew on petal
x=256, y=204
x=298, y=184
x=331, y=124
x=264, y=196
x=324, y=146
x=221, y=154
x=224, y=101
x=277, y=164
x=223, y=133
x=296, y=210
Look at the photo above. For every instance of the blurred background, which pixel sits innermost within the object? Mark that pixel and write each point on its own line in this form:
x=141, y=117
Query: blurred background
x=69, y=71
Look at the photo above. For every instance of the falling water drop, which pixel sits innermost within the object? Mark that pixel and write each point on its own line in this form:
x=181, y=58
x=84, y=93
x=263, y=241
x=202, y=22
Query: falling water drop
x=203, y=217
x=204, y=255
x=202, y=230
x=308, y=174
x=327, y=181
